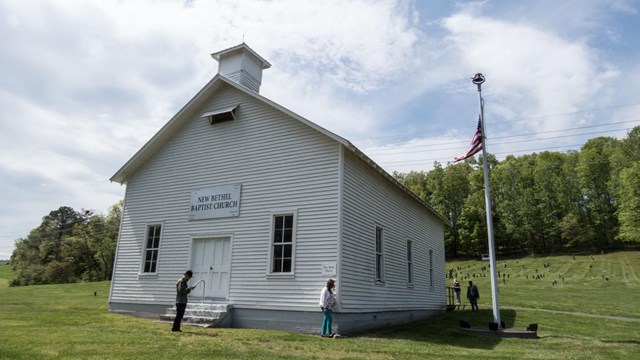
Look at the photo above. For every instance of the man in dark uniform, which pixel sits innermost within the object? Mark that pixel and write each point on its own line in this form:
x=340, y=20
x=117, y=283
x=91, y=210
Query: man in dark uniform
x=182, y=289
x=473, y=295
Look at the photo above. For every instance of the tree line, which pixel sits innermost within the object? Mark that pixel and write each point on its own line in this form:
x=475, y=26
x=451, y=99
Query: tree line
x=548, y=202
x=68, y=246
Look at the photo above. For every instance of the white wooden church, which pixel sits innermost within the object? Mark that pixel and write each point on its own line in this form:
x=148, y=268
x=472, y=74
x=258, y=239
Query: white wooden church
x=265, y=206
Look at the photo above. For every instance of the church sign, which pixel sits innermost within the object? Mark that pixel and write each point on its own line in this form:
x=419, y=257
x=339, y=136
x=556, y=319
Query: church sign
x=215, y=202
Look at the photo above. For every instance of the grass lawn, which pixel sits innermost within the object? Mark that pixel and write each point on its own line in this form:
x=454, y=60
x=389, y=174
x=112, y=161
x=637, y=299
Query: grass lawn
x=68, y=321
x=605, y=284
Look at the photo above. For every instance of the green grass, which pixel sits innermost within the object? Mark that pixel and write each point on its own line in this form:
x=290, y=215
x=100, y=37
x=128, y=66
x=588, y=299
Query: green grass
x=5, y=275
x=68, y=321
x=584, y=289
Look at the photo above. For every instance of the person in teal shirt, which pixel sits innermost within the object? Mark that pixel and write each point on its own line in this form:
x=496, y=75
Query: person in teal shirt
x=327, y=304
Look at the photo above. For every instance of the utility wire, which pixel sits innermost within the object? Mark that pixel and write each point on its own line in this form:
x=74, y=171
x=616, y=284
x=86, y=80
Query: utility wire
x=529, y=134
x=528, y=119
x=393, y=151
x=429, y=161
x=567, y=129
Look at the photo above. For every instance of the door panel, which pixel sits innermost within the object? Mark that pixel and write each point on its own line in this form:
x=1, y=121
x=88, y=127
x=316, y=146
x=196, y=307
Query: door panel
x=211, y=261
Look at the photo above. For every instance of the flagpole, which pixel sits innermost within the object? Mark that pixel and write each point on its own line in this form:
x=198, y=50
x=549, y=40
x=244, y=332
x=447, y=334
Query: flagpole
x=478, y=79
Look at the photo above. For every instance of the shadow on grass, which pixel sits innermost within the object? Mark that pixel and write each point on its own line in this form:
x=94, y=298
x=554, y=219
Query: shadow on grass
x=445, y=329
x=621, y=341
x=194, y=332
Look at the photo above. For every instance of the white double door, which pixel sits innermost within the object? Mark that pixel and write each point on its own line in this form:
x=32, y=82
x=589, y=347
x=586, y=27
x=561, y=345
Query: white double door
x=211, y=262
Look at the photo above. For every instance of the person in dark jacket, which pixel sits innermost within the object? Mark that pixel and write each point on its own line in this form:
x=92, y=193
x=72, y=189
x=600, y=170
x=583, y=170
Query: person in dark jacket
x=182, y=290
x=473, y=295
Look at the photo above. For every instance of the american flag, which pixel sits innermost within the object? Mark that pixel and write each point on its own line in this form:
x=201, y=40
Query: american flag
x=476, y=144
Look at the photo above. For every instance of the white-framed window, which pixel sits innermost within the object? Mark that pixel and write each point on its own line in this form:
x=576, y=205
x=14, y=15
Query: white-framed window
x=431, y=268
x=283, y=228
x=409, y=262
x=151, y=249
x=379, y=254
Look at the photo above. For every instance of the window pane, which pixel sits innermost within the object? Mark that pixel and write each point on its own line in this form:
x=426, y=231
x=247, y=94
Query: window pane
x=288, y=236
x=277, y=236
x=278, y=224
x=286, y=266
x=287, y=250
x=277, y=251
x=277, y=265
x=288, y=224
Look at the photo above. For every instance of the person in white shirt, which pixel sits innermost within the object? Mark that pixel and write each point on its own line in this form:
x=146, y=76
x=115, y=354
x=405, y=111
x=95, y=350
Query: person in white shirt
x=327, y=304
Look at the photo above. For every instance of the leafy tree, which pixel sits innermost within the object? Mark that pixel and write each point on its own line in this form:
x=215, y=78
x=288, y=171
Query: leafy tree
x=594, y=170
x=628, y=187
x=68, y=246
x=547, y=202
x=416, y=181
x=473, y=223
x=574, y=226
x=450, y=189
x=55, y=227
x=513, y=198
x=629, y=209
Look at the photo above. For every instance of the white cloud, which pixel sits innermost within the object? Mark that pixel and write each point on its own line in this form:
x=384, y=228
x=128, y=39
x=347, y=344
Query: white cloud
x=527, y=68
x=626, y=6
x=85, y=85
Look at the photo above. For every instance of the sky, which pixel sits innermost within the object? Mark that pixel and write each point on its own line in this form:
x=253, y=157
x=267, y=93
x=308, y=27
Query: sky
x=84, y=84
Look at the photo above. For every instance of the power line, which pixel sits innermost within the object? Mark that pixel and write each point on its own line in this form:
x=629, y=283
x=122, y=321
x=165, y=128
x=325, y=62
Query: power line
x=529, y=134
x=572, y=113
x=567, y=129
x=392, y=151
x=428, y=161
x=529, y=118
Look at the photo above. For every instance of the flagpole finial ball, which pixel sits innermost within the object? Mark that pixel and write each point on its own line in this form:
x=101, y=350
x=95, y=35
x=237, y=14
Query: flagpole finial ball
x=477, y=79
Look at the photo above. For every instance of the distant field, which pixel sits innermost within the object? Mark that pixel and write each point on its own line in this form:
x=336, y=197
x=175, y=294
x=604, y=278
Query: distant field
x=69, y=322
x=5, y=275
x=602, y=284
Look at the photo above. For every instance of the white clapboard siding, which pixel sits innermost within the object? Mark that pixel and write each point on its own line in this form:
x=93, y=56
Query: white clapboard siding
x=371, y=200
x=282, y=164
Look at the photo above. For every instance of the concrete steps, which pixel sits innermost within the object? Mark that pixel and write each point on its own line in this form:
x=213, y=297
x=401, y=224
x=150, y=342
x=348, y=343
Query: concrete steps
x=204, y=315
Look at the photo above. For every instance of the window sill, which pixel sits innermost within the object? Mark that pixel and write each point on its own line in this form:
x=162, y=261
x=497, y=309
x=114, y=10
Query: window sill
x=281, y=276
x=410, y=286
x=145, y=276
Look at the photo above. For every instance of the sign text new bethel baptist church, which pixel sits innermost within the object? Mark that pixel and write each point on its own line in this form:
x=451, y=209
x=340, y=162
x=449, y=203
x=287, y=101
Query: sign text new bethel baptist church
x=215, y=202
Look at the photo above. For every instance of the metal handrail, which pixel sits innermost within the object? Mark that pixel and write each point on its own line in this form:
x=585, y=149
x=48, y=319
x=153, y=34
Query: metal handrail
x=203, y=288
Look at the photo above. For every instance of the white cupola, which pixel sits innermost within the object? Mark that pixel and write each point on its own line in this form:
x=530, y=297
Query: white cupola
x=242, y=65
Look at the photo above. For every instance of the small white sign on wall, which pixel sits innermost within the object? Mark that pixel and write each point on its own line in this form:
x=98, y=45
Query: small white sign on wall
x=215, y=202
x=329, y=269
